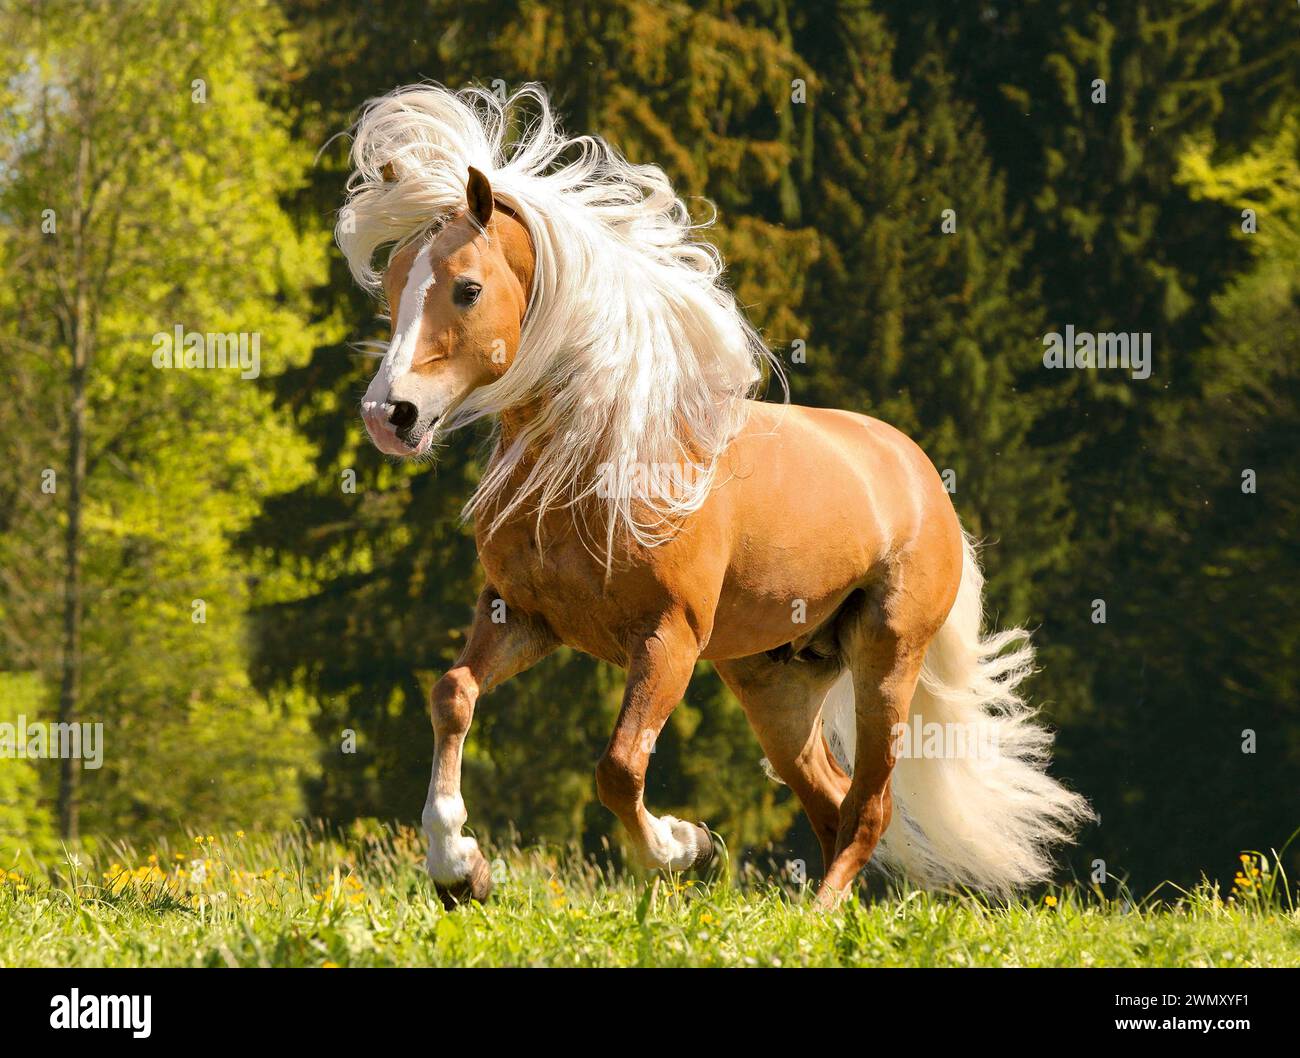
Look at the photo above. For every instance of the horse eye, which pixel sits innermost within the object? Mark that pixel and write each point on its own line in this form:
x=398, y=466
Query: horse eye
x=467, y=293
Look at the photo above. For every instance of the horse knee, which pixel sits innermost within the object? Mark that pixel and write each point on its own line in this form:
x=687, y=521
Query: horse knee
x=452, y=703
x=617, y=783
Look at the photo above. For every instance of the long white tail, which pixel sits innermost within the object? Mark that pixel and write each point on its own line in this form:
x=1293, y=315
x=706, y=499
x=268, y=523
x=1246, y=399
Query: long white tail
x=973, y=803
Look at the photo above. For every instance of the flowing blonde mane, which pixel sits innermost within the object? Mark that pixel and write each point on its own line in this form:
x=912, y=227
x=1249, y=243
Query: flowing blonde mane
x=633, y=352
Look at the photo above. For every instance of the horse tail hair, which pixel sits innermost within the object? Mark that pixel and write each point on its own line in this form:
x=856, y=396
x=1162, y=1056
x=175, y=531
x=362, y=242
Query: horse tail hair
x=988, y=816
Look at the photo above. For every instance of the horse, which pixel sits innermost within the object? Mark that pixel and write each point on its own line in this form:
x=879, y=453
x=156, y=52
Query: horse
x=813, y=556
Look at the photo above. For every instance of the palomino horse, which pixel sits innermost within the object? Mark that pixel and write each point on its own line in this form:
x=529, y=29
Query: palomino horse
x=812, y=555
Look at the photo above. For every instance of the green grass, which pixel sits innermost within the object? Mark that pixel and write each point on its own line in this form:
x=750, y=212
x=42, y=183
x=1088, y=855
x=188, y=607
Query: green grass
x=308, y=899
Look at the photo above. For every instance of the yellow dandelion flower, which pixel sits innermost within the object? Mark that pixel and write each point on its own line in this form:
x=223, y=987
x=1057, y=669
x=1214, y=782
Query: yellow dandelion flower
x=1050, y=901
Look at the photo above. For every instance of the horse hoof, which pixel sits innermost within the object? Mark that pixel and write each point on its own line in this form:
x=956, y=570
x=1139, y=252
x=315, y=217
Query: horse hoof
x=712, y=859
x=478, y=886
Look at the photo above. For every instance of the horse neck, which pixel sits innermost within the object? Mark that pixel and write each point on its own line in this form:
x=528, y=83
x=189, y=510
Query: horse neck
x=514, y=421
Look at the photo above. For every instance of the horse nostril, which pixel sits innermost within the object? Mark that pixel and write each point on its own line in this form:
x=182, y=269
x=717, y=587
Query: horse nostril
x=403, y=415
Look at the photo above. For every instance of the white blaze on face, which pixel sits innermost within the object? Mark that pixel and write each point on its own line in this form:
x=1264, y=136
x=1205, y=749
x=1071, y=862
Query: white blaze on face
x=406, y=331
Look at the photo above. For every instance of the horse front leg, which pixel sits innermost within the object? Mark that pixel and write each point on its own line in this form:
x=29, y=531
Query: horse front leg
x=495, y=652
x=658, y=674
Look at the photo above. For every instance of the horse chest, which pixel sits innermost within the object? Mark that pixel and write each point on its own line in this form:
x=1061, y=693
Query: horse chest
x=564, y=586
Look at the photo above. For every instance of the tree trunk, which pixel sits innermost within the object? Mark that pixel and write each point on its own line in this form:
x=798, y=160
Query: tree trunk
x=70, y=689
x=81, y=341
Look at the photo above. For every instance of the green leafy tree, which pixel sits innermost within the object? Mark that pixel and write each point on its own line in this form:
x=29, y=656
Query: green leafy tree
x=1230, y=506
x=141, y=196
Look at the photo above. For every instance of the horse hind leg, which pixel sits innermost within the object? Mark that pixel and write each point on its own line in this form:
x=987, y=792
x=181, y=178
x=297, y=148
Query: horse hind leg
x=885, y=667
x=783, y=701
x=980, y=810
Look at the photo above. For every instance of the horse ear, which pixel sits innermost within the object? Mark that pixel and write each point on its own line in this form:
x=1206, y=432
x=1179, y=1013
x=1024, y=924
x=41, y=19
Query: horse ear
x=478, y=194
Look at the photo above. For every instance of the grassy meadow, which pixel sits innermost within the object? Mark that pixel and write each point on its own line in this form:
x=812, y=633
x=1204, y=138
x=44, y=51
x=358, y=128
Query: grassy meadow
x=309, y=898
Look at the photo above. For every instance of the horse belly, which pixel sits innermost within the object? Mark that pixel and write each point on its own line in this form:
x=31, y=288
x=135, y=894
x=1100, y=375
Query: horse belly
x=753, y=617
